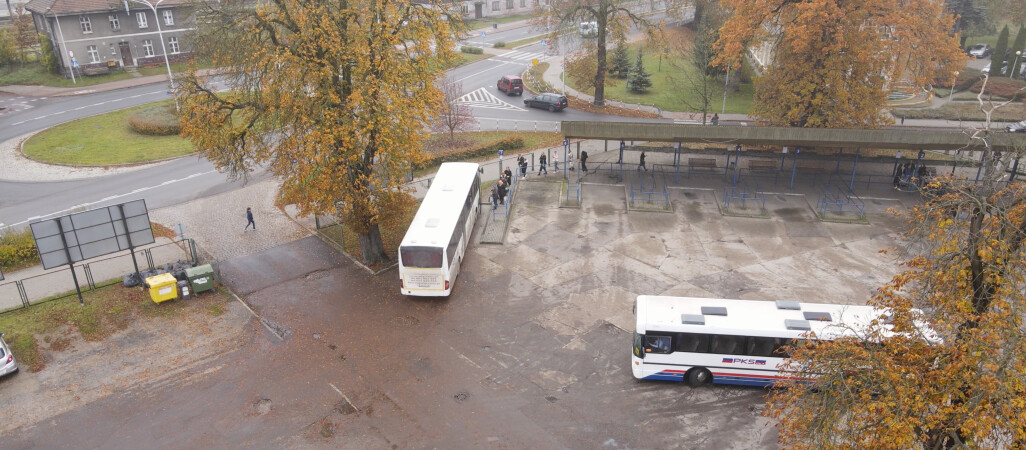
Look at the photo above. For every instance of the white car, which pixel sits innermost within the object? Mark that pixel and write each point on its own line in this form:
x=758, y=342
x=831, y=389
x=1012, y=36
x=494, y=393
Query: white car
x=7, y=363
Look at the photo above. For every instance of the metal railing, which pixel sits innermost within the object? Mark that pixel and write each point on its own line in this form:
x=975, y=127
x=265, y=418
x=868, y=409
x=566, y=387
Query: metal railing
x=97, y=273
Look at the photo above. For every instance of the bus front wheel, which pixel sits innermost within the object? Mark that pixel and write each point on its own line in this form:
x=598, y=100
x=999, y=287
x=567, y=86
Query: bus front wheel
x=698, y=376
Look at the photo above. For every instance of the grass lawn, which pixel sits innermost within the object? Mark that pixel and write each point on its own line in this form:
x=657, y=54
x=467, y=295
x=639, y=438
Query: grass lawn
x=474, y=24
x=33, y=74
x=662, y=93
x=106, y=311
x=102, y=140
x=964, y=110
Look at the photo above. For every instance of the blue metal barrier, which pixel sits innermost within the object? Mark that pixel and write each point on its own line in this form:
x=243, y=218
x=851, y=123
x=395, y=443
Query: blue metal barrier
x=838, y=199
x=650, y=192
x=743, y=194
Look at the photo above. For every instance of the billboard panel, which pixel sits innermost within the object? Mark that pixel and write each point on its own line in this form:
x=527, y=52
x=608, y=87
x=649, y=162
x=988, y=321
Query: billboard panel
x=92, y=233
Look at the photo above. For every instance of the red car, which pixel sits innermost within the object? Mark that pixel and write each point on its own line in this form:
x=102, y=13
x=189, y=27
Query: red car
x=511, y=85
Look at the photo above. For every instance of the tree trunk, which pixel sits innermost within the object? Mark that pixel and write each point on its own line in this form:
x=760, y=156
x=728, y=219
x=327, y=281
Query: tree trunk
x=600, y=72
x=371, y=247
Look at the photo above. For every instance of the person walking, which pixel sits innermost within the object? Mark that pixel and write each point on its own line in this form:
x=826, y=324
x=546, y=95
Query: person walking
x=641, y=162
x=715, y=119
x=509, y=176
x=555, y=159
x=541, y=164
x=501, y=191
x=523, y=167
x=249, y=220
x=584, y=161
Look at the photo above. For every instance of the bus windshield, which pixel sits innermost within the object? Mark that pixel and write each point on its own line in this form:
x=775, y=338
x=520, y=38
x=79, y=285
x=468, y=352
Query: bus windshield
x=421, y=257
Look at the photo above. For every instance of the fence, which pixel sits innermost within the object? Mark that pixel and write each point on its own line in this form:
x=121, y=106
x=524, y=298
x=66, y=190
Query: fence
x=840, y=201
x=97, y=273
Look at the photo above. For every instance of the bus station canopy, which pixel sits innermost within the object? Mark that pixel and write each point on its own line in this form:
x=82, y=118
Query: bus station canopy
x=888, y=138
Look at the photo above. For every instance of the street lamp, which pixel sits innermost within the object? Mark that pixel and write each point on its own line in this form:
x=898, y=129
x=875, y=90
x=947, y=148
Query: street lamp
x=953, y=78
x=160, y=35
x=1013, y=67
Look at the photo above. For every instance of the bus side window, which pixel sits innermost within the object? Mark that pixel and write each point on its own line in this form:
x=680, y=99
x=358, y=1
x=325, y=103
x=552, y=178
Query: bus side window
x=657, y=344
x=727, y=345
x=693, y=343
x=763, y=346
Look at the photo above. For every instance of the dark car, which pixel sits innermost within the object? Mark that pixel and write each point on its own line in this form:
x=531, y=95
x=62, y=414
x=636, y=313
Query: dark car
x=1018, y=127
x=549, y=100
x=980, y=50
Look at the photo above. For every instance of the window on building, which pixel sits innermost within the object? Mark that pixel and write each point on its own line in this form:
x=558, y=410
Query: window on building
x=169, y=18
x=496, y=5
x=173, y=43
x=115, y=24
x=509, y=4
x=148, y=47
x=87, y=27
x=94, y=56
x=141, y=18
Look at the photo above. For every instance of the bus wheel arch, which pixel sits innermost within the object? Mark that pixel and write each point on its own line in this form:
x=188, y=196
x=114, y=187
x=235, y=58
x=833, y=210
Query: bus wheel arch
x=698, y=376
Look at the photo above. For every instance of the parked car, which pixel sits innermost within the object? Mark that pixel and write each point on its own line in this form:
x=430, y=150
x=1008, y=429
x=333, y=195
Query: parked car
x=7, y=363
x=1018, y=127
x=980, y=50
x=511, y=85
x=549, y=100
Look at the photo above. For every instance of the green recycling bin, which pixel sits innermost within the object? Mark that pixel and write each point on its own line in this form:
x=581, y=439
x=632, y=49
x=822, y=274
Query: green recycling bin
x=201, y=278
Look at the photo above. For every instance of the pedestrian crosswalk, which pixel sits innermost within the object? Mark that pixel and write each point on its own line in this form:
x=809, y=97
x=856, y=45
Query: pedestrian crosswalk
x=481, y=98
x=519, y=56
x=14, y=104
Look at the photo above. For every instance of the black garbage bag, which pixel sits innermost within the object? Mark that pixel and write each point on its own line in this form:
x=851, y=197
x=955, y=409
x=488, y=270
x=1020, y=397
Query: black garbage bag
x=131, y=280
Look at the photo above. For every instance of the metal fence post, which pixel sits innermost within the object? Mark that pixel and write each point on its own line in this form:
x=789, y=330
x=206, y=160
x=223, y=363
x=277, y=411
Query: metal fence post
x=149, y=258
x=89, y=276
x=195, y=256
x=21, y=291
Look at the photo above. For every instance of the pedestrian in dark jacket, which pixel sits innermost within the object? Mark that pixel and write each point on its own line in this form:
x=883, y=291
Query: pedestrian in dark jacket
x=495, y=195
x=584, y=161
x=541, y=163
x=641, y=163
x=502, y=191
x=522, y=162
x=249, y=220
x=509, y=176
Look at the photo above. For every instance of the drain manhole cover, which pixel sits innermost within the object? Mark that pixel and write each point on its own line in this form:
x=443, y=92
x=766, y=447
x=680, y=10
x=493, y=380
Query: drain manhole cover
x=551, y=399
x=461, y=397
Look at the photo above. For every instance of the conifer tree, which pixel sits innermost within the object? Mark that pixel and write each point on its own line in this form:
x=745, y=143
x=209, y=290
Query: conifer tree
x=638, y=80
x=620, y=66
x=997, y=60
x=1018, y=46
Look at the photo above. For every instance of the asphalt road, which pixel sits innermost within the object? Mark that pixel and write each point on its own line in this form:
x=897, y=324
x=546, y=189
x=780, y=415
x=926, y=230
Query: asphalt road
x=191, y=177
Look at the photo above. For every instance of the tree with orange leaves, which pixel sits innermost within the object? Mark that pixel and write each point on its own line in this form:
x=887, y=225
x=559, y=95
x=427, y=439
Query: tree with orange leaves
x=947, y=366
x=333, y=98
x=834, y=61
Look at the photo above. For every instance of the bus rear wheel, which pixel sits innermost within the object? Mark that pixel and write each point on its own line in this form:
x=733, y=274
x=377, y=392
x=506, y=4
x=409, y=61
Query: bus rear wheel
x=699, y=376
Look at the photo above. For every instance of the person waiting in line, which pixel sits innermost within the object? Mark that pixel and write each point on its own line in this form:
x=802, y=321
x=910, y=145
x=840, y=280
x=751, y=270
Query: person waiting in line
x=502, y=191
x=495, y=195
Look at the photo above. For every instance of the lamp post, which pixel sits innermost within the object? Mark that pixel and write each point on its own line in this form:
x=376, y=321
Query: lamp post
x=163, y=46
x=953, y=78
x=1013, y=68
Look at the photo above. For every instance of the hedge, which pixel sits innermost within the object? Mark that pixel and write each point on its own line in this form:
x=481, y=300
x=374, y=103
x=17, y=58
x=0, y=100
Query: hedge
x=1003, y=87
x=17, y=250
x=472, y=50
x=158, y=120
x=510, y=143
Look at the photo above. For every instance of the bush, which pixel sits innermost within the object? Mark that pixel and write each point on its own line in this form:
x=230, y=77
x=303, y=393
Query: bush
x=472, y=50
x=1003, y=87
x=500, y=44
x=17, y=250
x=510, y=143
x=158, y=120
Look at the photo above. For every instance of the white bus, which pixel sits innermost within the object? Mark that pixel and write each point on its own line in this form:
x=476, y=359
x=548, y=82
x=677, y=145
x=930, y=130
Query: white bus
x=703, y=340
x=431, y=251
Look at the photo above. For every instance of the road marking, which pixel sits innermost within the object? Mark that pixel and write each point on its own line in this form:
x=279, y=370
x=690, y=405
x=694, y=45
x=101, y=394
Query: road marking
x=88, y=106
x=344, y=397
x=113, y=197
x=481, y=98
x=518, y=55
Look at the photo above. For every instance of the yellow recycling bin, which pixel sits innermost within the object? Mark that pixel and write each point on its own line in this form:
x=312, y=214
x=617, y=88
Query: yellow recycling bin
x=163, y=287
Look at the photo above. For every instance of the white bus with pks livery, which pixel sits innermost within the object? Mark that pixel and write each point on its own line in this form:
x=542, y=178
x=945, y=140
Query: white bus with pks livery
x=433, y=248
x=708, y=340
